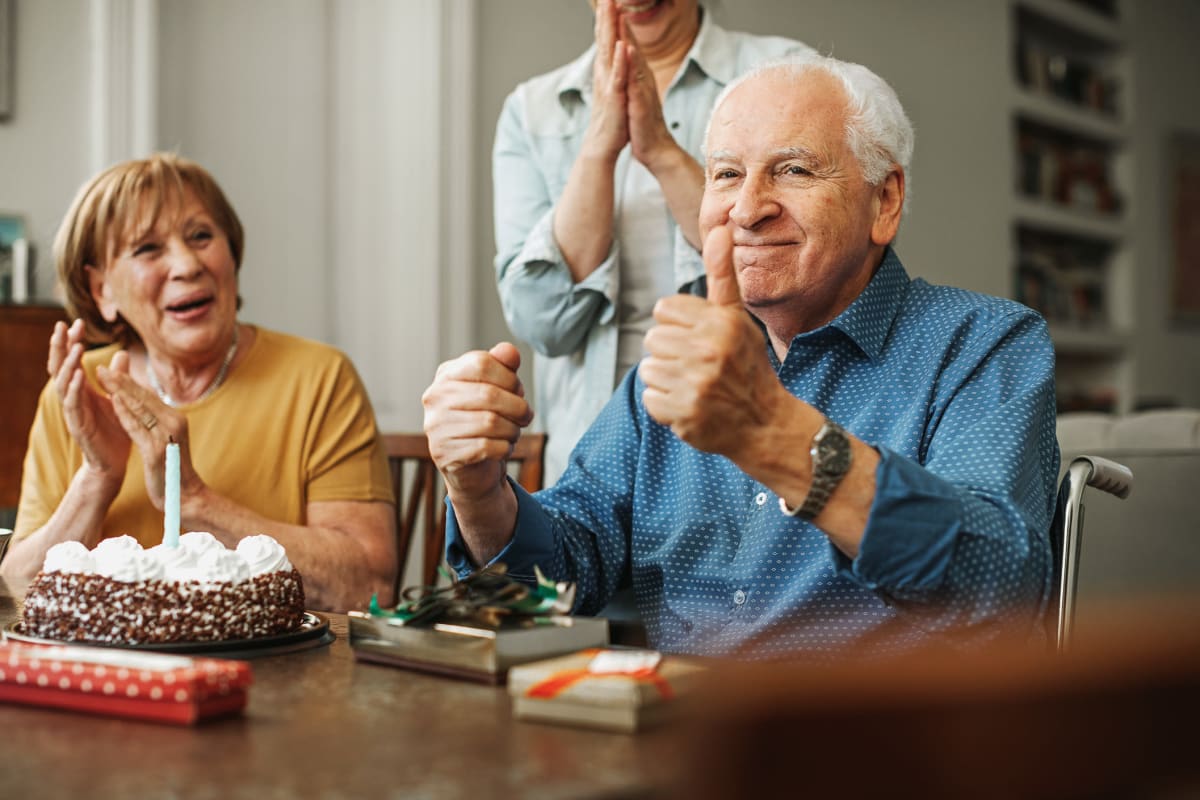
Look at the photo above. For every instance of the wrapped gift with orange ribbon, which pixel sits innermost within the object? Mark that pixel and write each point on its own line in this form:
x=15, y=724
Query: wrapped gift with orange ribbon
x=612, y=689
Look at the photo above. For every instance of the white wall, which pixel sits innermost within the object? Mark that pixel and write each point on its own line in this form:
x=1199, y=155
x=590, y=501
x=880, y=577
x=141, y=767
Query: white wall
x=44, y=148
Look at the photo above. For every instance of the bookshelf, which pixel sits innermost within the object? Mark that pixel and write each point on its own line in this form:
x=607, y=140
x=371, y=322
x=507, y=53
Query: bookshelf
x=1071, y=100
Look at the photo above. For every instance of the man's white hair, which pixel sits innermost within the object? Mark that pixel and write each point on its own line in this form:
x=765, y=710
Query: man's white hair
x=878, y=131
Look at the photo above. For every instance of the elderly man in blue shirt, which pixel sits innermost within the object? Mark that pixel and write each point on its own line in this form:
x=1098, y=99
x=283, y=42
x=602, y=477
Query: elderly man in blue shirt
x=862, y=457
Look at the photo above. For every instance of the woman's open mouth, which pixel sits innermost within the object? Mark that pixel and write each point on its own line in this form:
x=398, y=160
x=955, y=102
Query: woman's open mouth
x=190, y=307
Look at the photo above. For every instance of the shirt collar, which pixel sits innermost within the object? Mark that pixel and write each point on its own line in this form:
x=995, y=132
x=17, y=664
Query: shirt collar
x=576, y=79
x=868, y=320
x=713, y=52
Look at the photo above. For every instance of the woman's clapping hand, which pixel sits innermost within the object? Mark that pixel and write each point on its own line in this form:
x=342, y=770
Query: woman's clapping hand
x=150, y=424
x=89, y=415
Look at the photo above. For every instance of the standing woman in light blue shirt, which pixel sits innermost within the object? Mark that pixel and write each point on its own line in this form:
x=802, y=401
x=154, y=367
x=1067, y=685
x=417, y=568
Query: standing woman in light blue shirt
x=597, y=189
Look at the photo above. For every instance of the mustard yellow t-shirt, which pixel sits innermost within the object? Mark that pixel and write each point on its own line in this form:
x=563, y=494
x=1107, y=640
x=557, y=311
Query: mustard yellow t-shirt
x=291, y=425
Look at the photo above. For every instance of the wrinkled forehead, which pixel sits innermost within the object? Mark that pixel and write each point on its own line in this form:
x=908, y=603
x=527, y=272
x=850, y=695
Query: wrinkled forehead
x=781, y=107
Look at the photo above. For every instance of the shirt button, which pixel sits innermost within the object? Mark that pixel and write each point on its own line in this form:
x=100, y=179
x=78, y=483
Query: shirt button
x=675, y=126
x=739, y=597
x=760, y=498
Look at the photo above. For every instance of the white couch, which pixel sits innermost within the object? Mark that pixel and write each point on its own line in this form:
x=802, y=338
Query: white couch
x=1146, y=547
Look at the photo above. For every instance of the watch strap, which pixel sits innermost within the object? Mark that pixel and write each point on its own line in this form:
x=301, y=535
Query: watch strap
x=826, y=477
x=817, y=497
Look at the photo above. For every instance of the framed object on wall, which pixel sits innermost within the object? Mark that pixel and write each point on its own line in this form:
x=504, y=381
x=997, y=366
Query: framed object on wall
x=8, y=36
x=14, y=259
x=1185, y=229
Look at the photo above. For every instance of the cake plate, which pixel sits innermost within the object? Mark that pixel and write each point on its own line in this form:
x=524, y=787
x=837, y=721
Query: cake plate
x=313, y=632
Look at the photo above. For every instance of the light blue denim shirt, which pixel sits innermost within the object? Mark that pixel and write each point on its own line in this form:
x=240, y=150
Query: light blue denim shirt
x=572, y=327
x=956, y=392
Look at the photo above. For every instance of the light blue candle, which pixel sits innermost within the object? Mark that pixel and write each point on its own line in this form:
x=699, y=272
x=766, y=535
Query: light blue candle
x=171, y=498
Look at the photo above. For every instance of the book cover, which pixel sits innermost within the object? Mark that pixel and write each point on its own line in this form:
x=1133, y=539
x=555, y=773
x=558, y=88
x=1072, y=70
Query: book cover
x=123, y=683
x=619, y=690
x=472, y=652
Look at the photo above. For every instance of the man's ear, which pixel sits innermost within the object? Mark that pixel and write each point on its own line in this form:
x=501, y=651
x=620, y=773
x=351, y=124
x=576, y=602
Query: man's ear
x=101, y=292
x=889, y=199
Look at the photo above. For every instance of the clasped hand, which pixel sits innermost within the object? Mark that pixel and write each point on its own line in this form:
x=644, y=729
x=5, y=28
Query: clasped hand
x=107, y=426
x=625, y=103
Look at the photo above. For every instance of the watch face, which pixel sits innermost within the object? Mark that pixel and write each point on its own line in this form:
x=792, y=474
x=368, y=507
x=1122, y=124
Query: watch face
x=832, y=454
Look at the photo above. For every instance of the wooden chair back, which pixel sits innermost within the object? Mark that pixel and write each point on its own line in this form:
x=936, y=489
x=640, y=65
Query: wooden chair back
x=420, y=495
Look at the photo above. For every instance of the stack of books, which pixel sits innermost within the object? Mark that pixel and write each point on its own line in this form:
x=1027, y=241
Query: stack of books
x=622, y=690
x=471, y=651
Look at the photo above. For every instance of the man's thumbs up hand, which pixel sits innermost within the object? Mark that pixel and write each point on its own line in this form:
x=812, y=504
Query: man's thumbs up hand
x=719, y=271
x=706, y=372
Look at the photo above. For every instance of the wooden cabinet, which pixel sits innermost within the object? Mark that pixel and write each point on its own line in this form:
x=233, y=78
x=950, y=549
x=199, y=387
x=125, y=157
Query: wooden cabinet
x=24, y=341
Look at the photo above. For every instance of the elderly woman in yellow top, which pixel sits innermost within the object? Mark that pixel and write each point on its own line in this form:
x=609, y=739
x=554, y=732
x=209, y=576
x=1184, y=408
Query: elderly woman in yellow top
x=276, y=433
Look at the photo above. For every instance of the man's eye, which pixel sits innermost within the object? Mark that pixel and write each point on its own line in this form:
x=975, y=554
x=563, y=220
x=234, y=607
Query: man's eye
x=796, y=169
x=724, y=174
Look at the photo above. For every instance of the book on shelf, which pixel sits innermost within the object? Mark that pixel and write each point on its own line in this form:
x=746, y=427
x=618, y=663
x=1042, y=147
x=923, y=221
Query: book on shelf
x=1062, y=171
x=1050, y=69
x=468, y=650
x=1063, y=278
x=623, y=690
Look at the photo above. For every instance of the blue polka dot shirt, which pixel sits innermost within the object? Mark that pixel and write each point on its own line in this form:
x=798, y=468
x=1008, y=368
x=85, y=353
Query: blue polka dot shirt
x=956, y=392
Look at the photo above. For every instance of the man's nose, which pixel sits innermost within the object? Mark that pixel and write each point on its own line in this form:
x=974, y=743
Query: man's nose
x=755, y=201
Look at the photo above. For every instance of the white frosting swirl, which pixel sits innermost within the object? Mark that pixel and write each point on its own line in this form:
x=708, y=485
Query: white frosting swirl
x=116, y=545
x=177, y=563
x=69, y=557
x=123, y=559
x=126, y=565
x=263, y=554
x=223, y=565
x=199, y=542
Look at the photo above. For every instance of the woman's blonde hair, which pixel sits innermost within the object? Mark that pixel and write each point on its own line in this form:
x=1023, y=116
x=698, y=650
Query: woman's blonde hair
x=121, y=205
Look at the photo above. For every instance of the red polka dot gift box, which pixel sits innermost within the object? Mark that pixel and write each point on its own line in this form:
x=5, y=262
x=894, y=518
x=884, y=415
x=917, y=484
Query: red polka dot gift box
x=120, y=683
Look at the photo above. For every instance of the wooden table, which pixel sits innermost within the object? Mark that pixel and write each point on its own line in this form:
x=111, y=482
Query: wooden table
x=1114, y=718
x=321, y=725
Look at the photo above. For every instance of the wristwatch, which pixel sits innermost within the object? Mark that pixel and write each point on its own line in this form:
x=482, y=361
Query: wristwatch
x=830, y=453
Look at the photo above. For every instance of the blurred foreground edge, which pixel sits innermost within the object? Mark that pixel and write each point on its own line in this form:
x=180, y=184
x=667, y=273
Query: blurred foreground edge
x=1115, y=717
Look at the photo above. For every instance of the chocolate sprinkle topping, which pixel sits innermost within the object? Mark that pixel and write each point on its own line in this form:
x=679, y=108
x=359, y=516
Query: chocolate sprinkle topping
x=79, y=607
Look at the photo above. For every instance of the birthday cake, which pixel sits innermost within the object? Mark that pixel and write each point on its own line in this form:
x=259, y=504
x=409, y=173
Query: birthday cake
x=200, y=591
